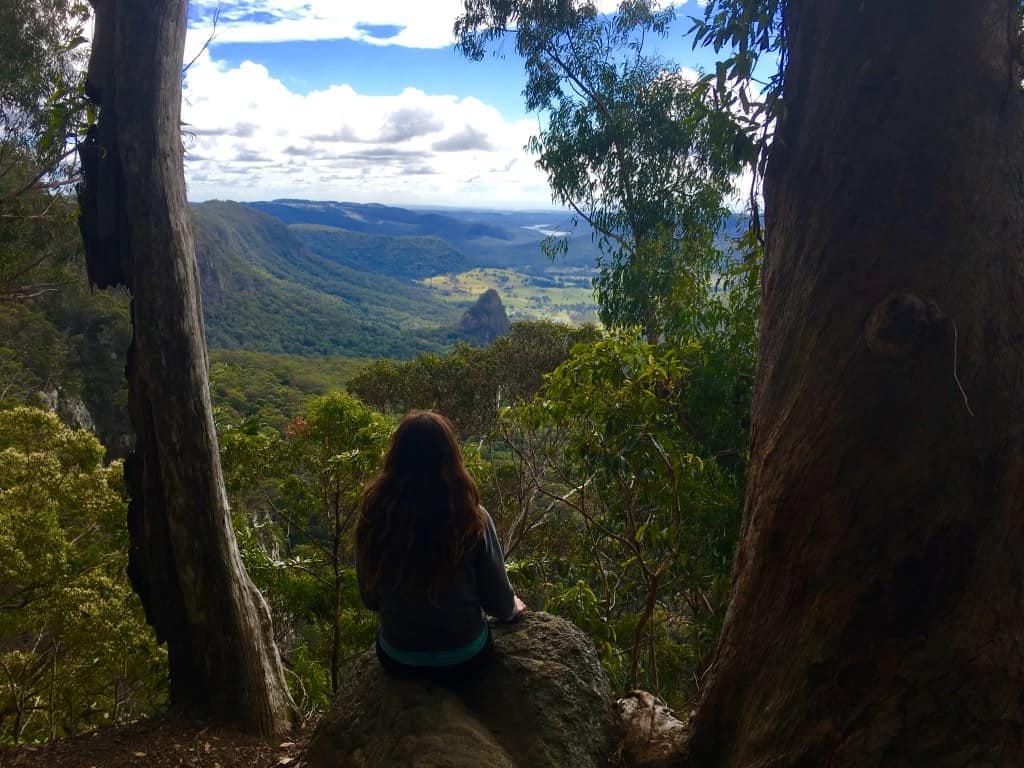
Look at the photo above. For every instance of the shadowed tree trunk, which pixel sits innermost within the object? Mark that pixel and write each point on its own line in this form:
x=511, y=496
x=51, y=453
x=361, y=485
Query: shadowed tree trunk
x=877, y=616
x=184, y=562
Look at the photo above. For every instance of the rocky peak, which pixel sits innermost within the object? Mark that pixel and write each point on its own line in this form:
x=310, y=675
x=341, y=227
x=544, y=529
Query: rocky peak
x=486, y=320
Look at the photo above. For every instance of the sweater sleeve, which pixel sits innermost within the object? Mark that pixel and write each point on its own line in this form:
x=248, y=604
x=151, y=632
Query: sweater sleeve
x=496, y=595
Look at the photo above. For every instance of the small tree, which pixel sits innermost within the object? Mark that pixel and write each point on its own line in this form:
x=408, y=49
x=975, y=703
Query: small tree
x=297, y=494
x=470, y=385
x=603, y=445
x=338, y=446
x=639, y=153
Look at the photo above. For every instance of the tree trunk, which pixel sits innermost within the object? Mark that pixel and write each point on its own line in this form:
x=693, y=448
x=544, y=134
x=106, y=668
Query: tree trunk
x=183, y=561
x=877, y=615
x=336, y=613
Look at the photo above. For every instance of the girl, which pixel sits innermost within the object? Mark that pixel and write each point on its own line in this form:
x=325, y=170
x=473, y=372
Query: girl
x=428, y=557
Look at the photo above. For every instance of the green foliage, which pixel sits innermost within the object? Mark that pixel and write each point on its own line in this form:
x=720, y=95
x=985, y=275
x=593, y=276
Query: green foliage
x=642, y=155
x=469, y=385
x=748, y=31
x=630, y=522
x=56, y=335
x=401, y=257
x=295, y=496
x=75, y=651
x=40, y=237
x=272, y=388
x=42, y=104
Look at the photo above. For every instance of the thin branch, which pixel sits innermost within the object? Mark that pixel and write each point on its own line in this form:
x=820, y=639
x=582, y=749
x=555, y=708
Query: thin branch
x=206, y=44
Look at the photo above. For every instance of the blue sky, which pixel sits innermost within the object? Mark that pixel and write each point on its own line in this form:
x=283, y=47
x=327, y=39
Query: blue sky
x=362, y=101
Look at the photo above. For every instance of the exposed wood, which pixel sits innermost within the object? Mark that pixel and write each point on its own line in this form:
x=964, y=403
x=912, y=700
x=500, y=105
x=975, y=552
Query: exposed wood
x=877, y=616
x=184, y=561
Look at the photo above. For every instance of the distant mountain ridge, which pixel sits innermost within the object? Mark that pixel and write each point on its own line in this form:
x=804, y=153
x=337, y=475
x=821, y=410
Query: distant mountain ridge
x=378, y=219
x=485, y=238
x=323, y=278
x=263, y=289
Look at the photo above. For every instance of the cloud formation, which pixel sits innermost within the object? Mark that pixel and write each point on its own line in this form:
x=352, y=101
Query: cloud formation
x=407, y=123
x=249, y=137
x=466, y=139
x=410, y=23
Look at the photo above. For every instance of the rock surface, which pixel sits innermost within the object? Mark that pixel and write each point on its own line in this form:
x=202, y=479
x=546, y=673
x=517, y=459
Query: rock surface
x=72, y=410
x=650, y=735
x=485, y=320
x=544, y=702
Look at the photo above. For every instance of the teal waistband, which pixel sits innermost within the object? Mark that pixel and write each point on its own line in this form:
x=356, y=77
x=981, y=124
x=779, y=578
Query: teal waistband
x=449, y=657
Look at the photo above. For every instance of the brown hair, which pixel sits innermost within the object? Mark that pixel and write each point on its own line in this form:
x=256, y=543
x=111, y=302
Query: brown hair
x=421, y=515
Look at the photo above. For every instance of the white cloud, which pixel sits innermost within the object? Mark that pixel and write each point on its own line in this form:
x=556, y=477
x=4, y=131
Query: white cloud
x=249, y=137
x=409, y=23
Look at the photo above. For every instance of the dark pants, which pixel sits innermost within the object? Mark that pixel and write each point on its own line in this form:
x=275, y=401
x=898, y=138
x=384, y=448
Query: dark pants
x=457, y=676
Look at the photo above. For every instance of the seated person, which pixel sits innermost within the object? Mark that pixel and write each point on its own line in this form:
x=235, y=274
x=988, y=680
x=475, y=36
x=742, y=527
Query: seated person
x=428, y=557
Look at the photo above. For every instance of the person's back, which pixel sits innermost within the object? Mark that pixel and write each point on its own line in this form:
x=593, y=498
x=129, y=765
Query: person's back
x=428, y=557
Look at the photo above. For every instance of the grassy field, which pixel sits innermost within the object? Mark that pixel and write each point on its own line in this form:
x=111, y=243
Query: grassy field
x=561, y=294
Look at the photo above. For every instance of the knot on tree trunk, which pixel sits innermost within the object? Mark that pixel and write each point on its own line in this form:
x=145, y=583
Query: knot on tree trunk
x=901, y=324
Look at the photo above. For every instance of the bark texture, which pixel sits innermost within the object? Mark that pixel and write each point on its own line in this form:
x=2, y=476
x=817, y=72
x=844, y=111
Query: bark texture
x=877, y=616
x=184, y=561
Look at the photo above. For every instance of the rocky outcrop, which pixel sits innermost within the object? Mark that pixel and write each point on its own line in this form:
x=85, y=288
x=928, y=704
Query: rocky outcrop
x=544, y=702
x=486, y=320
x=71, y=409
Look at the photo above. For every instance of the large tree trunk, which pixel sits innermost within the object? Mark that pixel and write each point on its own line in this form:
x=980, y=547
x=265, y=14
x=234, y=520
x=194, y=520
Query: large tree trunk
x=877, y=615
x=184, y=562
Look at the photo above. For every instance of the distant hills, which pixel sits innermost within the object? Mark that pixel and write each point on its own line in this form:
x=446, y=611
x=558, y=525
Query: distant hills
x=407, y=257
x=266, y=290
x=486, y=238
x=320, y=278
x=305, y=277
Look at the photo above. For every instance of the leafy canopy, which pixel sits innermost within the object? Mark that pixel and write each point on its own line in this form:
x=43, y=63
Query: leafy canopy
x=631, y=145
x=75, y=650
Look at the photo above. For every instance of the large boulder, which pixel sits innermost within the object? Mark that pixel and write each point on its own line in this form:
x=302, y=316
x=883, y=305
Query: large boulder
x=544, y=702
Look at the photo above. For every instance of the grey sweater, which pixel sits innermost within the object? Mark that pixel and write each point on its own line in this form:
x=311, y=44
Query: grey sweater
x=412, y=623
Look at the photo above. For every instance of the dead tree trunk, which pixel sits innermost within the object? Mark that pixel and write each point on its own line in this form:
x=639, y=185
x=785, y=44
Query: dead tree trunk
x=184, y=561
x=877, y=616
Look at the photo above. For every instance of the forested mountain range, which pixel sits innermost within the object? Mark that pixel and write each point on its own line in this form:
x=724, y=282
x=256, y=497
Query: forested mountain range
x=265, y=290
x=487, y=238
x=406, y=257
x=320, y=278
x=317, y=278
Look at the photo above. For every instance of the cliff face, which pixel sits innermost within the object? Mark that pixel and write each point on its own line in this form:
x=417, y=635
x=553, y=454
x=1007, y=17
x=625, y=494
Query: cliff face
x=544, y=702
x=486, y=320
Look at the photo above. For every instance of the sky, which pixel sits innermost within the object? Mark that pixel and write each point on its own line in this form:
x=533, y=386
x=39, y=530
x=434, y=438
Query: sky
x=365, y=102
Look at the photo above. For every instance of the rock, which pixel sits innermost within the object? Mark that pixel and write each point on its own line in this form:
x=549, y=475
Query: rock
x=486, y=320
x=71, y=409
x=650, y=735
x=544, y=702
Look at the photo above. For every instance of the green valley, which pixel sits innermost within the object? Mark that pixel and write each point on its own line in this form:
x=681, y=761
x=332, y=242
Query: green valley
x=264, y=290
x=561, y=294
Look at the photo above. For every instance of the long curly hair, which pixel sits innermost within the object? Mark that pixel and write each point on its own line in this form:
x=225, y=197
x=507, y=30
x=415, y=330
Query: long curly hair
x=421, y=515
